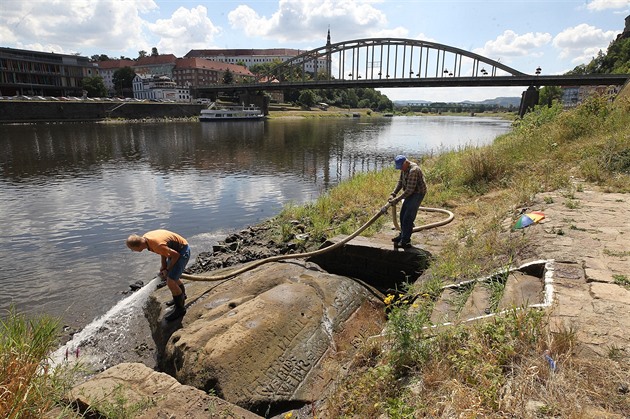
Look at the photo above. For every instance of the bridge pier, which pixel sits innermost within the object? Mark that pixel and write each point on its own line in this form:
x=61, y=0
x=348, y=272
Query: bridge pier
x=529, y=99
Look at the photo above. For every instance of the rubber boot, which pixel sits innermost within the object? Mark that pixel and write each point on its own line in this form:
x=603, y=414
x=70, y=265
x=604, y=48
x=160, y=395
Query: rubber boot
x=171, y=302
x=179, y=309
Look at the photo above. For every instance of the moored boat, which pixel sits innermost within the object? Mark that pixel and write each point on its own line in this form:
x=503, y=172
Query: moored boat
x=216, y=112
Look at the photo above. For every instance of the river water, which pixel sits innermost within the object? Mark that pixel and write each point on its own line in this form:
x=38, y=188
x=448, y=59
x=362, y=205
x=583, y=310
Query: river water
x=70, y=194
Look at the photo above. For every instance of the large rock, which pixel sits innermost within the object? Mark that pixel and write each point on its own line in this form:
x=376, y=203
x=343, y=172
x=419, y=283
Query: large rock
x=272, y=338
x=135, y=390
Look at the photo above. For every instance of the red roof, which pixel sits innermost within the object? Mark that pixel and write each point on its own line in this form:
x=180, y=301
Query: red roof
x=200, y=63
x=240, y=52
x=156, y=60
x=111, y=64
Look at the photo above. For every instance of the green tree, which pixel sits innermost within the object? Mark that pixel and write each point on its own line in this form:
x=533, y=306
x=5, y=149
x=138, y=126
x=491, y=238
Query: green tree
x=384, y=104
x=154, y=52
x=265, y=69
x=123, y=80
x=94, y=86
x=307, y=98
x=97, y=57
x=228, y=77
x=365, y=103
x=142, y=54
x=549, y=94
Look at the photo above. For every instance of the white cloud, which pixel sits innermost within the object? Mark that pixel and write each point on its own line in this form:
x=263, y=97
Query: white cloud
x=599, y=5
x=77, y=24
x=308, y=20
x=398, y=32
x=422, y=37
x=510, y=44
x=184, y=30
x=582, y=42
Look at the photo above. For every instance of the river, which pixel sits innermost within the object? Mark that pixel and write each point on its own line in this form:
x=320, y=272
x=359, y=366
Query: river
x=70, y=194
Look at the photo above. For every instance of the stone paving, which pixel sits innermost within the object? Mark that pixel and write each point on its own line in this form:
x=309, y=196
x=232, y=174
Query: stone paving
x=588, y=234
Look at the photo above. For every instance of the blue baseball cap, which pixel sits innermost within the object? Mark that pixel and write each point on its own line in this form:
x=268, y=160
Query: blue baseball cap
x=399, y=160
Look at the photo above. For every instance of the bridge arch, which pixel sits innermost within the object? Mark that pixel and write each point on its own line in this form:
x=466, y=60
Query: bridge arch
x=388, y=59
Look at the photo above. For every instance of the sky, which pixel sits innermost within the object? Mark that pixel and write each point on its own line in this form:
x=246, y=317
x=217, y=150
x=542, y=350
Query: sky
x=555, y=35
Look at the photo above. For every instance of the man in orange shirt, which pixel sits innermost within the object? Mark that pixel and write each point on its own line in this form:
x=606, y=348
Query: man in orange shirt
x=175, y=253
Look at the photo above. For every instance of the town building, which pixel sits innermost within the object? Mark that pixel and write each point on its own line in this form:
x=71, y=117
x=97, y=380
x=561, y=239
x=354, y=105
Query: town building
x=106, y=70
x=198, y=72
x=575, y=95
x=159, y=88
x=156, y=65
x=250, y=57
x=35, y=73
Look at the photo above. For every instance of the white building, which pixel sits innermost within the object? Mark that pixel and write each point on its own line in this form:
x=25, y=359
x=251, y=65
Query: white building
x=106, y=70
x=160, y=88
x=250, y=57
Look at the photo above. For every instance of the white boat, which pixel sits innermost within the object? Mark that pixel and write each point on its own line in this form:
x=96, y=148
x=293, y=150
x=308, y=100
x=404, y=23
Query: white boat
x=216, y=112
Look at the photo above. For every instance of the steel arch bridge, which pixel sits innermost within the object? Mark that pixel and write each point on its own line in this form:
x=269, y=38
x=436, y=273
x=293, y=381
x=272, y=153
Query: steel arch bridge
x=400, y=62
x=387, y=59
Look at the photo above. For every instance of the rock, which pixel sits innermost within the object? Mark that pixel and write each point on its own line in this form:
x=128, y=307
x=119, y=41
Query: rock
x=260, y=339
x=136, y=285
x=139, y=392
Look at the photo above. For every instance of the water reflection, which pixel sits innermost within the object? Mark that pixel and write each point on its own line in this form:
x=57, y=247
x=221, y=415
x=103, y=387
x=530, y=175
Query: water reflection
x=71, y=193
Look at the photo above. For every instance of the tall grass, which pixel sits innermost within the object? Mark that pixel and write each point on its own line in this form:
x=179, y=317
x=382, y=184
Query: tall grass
x=343, y=209
x=24, y=380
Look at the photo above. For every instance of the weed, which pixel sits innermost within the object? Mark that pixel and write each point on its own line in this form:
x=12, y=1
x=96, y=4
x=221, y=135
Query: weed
x=548, y=200
x=117, y=405
x=572, y=204
x=617, y=254
x=616, y=353
x=496, y=286
x=622, y=280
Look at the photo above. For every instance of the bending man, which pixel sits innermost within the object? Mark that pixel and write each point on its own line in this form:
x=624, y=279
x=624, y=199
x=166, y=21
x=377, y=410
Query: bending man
x=174, y=252
x=414, y=188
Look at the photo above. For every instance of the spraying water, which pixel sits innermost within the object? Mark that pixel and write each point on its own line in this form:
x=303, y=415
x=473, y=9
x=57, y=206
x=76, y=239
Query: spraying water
x=102, y=343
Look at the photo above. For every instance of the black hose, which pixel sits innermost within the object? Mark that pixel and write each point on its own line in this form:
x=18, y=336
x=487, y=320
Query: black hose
x=382, y=211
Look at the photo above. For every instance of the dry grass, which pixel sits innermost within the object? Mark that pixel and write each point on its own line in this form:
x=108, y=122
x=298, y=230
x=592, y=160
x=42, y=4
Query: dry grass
x=495, y=368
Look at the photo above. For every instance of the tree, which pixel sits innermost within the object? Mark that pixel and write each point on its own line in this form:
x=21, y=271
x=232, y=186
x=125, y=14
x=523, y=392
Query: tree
x=265, y=69
x=94, y=86
x=97, y=57
x=154, y=52
x=228, y=77
x=142, y=54
x=385, y=104
x=123, y=80
x=549, y=94
x=307, y=98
